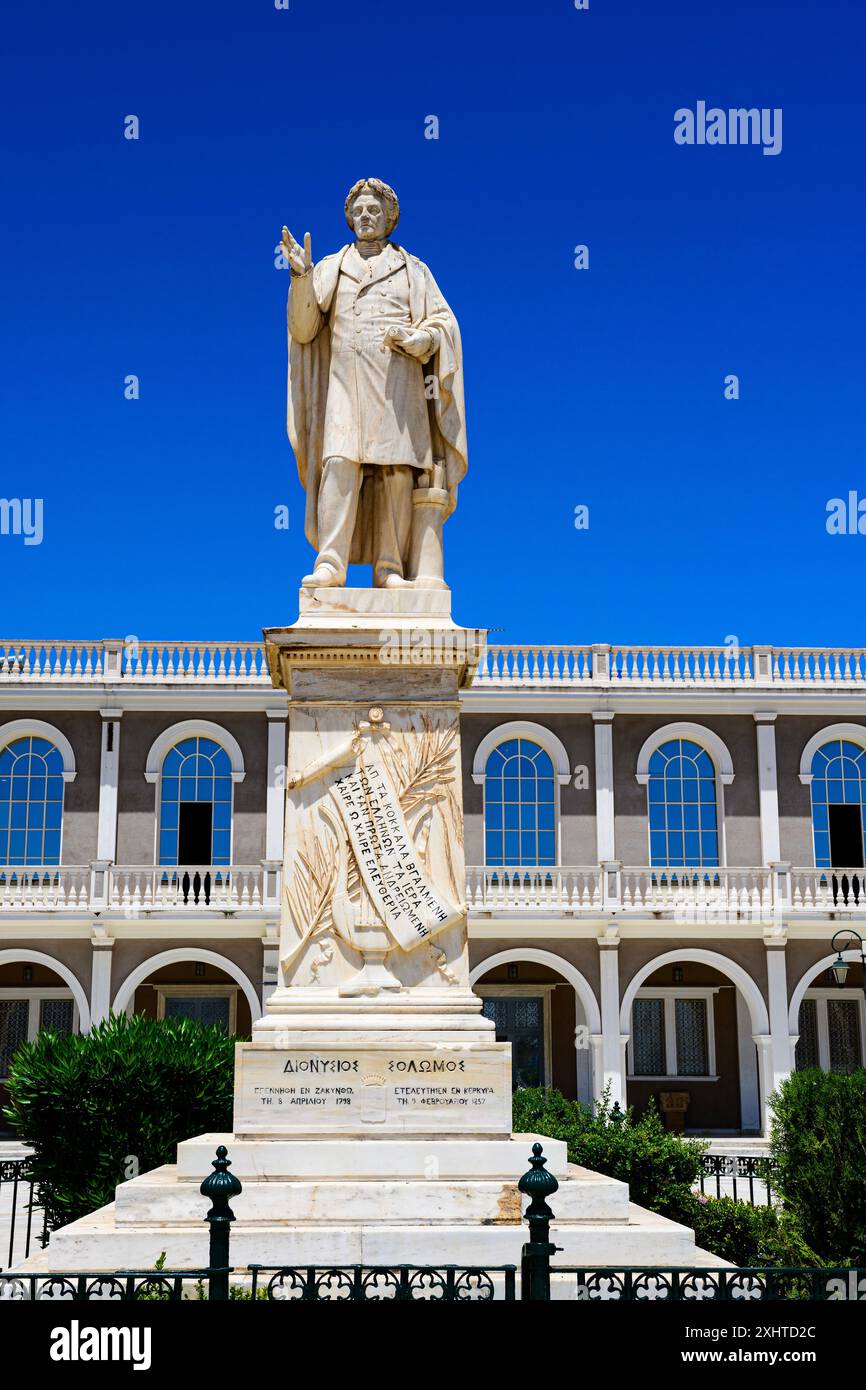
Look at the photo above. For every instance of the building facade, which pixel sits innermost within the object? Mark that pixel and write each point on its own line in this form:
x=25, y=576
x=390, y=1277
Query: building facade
x=661, y=844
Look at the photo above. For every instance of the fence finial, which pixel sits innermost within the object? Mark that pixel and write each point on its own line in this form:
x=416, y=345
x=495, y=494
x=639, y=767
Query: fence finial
x=219, y=1186
x=538, y=1185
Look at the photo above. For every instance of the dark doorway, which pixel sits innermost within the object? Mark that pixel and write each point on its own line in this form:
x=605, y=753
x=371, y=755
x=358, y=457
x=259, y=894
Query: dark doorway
x=846, y=850
x=519, y=1019
x=846, y=837
x=195, y=828
x=194, y=840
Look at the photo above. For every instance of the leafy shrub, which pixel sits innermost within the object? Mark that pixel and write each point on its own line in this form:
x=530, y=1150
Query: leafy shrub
x=130, y=1089
x=659, y=1167
x=818, y=1140
x=743, y=1234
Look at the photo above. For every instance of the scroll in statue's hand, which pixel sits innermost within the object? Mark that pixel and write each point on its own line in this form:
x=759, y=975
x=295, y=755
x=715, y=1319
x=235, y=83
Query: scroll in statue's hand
x=414, y=342
x=300, y=258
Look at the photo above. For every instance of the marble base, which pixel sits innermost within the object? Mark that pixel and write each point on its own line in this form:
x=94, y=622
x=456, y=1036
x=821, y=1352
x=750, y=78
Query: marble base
x=373, y=1202
x=343, y=607
x=374, y=1158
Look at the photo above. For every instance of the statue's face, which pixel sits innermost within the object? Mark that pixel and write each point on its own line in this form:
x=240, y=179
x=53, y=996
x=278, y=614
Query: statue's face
x=369, y=217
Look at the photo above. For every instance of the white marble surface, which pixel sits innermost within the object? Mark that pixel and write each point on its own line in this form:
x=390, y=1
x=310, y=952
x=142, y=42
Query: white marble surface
x=339, y=607
x=98, y=1242
x=374, y=917
x=367, y=1157
x=373, y=1088
x=375, y=393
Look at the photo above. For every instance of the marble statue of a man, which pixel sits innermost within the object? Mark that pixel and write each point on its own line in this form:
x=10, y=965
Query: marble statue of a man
x=375, y=394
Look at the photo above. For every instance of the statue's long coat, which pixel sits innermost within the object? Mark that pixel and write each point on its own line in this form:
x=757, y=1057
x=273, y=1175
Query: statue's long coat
x=310, y=374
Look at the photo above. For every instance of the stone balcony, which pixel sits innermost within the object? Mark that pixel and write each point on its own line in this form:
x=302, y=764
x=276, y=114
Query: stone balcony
x=131, y=662
x=139, y=890
x=690, y=895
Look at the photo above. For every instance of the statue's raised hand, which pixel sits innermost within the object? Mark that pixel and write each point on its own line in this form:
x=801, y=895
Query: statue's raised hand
x=300, y=258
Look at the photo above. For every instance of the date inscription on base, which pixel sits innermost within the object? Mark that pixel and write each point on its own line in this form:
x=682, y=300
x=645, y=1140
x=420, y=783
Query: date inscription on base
x=373, y=1090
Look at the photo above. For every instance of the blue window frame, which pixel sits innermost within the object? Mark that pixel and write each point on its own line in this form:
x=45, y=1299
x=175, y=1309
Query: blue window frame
x=31, y=802
x=519, y=805
x=683, y=807
x=196, y=770
x=838, y=779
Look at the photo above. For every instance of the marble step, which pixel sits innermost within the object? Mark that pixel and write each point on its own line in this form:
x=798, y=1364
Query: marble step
x=506, y=1158
x=97, y=1242
x=158, y=1197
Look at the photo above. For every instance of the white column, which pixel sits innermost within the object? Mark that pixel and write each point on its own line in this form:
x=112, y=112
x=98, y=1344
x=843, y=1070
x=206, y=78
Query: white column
x=612, y=1043
x=604, y=812
x=763, y=1042
x=109, y=763
x=276, y=796
x=270, y=964
x=100, y=975
x=780, y=1059
x=771, y=849
x=750, y=1097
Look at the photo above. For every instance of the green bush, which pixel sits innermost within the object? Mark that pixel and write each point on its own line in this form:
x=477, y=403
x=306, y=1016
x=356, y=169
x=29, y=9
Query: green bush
x=659, y=1167
x=818, y=1140
x=734, y=1230
x=98, y=1107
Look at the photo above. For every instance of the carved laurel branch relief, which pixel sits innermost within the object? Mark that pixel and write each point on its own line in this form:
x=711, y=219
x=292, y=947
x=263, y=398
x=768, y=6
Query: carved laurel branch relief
x=326, y=891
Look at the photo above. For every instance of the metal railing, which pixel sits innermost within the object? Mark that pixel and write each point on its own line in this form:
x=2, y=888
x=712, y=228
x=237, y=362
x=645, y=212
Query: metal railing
x=745, y=1177
x=23, y=1222
x=133, y=661
x=675, y=1284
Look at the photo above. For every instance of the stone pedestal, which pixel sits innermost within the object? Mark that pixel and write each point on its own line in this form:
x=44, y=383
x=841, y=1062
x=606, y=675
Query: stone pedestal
x=326, y=1201
x=373, y=1105
x=373, y=1028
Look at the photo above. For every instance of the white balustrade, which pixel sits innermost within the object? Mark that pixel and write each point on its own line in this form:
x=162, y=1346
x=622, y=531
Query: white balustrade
x=535, y=666
x=144, y=888
x=828, y=890
x=517, y=888
x=151, y=663
x=699, y=894
x=689, y=895
x=44, y=888
x=195, y=663
x=681, y=666
x=522, y=667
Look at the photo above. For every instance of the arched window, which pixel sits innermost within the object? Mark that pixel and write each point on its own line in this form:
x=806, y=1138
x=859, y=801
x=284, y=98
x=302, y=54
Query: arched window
x=838, y=794
x=519, y=805
x=31, y=801
x=683, y=806
x=195, y=806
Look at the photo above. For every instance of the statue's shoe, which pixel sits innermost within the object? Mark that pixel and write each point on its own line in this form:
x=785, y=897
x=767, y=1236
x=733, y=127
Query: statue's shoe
x=323, y=577
x=394, y=581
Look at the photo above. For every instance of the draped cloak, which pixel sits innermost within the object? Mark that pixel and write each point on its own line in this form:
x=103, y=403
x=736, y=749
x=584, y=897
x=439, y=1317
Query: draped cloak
x=308, y=379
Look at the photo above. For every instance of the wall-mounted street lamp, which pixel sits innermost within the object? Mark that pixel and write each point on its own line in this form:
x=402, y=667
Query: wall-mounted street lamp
x=840, y=967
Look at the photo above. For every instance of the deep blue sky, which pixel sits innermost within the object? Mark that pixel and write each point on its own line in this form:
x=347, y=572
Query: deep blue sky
x=155, y=257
